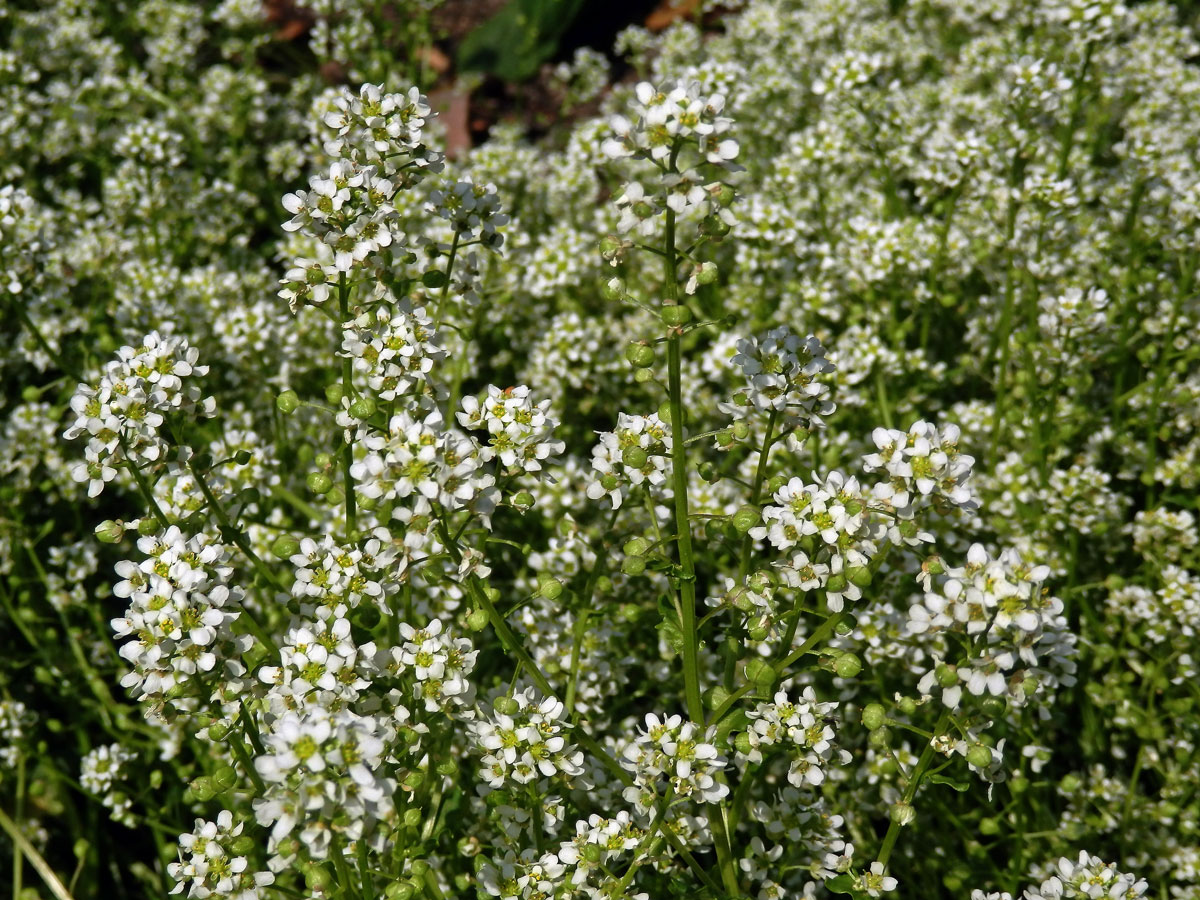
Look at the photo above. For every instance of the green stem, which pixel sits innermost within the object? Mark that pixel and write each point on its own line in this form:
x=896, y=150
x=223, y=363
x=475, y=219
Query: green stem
x=35, y=859
x=347, y=391
x=143, y=486
x=910, y=791
x=446, y=285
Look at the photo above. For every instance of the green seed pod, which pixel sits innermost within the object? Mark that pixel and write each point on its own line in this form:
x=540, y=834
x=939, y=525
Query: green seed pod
x=741, y=431
x=412, y=818
x=477, y=620
x=609, y=482
x=242, y=845
x=1069, y=784
x=593, y=853
x=860, y=576
x=400, y=890
x=413, y=780
x=724, y=439
x=242, y=457
x=636, y=546
x=946, y=675
x=419, y=867
x=549, y=586
x=759, y=630
x=847, y=665
x=323, y=461
x=203, y=789
x=109, y=532
x=523, y=501
x=640, y=355
x=363, y=408
x=1018, y=784
x=334, y=394
x=433, y=279
x=675, y=316
x=989, y=825
x=994, y=707
x=635, y=457
x=979, y=756
x=447, y=768
x=506, y=706
x=287, y=402
x=775, y=483
x=319, y=879
x=709, y=472
x=285, y=546
x=836, y=583
x=907, y=705
x=633, y=565
x=366, y=615
x=880, y=739
x=742, y=743
x=319, y=483
x=224, y=778
x=746, y=518
x=148, y=526
x=902, y=813
x=81, y=848
x=610, y=246
x=613, y=289
x=218, y=731
x=873, y=716
x=643, y=376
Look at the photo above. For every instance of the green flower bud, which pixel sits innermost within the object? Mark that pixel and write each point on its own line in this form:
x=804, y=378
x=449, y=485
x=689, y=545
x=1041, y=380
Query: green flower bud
x=287, y=402
x=640, y=355
x=989, y=825
x=675, y=316
x=1070, y=784
x=633, y=565
x=746, y=518
x=109, y=532
x=477, y=620
x=242, y=457
x=80, y=848
x=847, y=665
x=334, y=394
x=979, y=756
x=1018, y=784
x=873, y=716
x=363, y=408
x=635, y=457
x=319, y=483
x=285, y=546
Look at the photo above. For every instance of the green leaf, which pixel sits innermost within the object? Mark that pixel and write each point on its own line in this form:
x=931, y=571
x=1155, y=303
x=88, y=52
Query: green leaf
x=514, y=42
x=960, y=786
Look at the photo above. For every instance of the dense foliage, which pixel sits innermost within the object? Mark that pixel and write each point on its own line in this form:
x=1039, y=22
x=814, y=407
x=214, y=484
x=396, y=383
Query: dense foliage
x=781, y=484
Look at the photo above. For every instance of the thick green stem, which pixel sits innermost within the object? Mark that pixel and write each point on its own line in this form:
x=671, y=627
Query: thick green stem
x=35, y=859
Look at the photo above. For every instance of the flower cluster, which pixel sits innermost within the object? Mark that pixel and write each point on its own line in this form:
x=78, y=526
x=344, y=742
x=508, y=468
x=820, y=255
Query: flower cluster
x=181, y=609
x=123, y=414
x=673, y=757
x=1024, y=644
x=801, y=729
x=520, y=434
x=524, y=741
x=212, y=862
x=667, y=115
x=781, y=372
x=924, y=467
x=638, y=452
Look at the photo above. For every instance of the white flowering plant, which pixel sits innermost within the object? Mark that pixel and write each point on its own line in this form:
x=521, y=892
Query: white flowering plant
x=780, y=483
